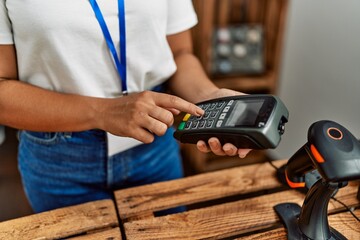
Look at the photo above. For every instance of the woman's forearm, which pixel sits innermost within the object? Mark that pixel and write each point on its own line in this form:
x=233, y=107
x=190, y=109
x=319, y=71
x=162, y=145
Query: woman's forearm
x=138, y=115
x=23, y=106
x=190, y=81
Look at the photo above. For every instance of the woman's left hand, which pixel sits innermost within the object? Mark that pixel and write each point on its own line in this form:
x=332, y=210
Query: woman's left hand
x=213, y=144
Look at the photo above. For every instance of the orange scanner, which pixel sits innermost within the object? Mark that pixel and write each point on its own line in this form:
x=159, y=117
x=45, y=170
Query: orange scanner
x=331, y=149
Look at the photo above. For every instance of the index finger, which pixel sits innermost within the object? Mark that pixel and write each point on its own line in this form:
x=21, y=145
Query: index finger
x=171, y=101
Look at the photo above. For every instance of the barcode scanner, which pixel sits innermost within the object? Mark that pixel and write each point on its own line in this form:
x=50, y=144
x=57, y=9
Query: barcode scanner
x=331, y=149
x=334, y=153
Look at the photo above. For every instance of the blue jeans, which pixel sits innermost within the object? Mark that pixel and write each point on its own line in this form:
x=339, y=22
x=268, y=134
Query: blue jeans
x=62, y=169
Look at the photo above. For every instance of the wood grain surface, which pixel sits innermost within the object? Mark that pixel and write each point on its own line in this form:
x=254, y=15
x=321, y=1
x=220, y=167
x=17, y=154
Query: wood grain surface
x=258, y=185
x=106, y=234
x=62, y=223
x=344, y=223
x=195, y=189
x=226, y=220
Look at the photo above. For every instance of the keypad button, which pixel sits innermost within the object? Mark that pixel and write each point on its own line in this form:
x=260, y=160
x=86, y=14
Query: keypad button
x=209, y=123
x=219, y=123
x=192, y=118
x=206, y=114
x=195, y=124
x=186, y=117
x=230, y=102
x=188, y=125
x=202, y=124
x=220, y=105
x=181, y=126
x=212, y=106
x=206, y=106
x=222, y=116
x=226, y=109
x=214, y=114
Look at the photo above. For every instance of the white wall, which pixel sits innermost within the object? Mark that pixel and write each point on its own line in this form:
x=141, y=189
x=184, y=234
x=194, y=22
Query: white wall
x=320, y=76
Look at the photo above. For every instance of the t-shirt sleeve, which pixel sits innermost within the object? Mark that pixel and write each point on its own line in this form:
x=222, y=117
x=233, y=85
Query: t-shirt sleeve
x=6, y=36
x=181, y=16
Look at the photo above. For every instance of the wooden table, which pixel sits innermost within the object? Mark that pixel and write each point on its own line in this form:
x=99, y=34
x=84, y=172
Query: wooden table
x=234, y=203
x=94, y=220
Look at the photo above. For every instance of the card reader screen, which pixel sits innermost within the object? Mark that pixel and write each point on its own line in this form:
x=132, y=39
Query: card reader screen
x=244, y=113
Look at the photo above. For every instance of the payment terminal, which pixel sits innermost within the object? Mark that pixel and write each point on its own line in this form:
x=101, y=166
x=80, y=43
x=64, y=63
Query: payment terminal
x=254, y=121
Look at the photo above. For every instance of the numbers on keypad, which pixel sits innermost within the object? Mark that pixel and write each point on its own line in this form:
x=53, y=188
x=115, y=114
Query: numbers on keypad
x=215, y=112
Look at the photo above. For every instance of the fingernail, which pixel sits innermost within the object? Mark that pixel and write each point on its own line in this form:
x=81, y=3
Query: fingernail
x=242, y=155
x=228, y=149
x=199, y=112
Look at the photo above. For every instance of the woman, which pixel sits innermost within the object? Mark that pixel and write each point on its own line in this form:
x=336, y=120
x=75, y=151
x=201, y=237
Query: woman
x=92, y=121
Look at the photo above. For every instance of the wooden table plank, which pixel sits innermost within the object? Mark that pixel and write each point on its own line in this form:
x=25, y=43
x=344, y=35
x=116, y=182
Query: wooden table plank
x=62, y=223
x=109, y=234
x=146, y=199
x=226, y=220
x=278, y=234
x=345, y=223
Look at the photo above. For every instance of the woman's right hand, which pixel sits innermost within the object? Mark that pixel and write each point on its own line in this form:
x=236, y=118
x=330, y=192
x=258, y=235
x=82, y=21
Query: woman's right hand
x=141, y=115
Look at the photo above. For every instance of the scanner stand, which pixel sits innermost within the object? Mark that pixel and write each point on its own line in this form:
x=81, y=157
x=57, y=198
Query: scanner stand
x=311, y=220
x=310, y=179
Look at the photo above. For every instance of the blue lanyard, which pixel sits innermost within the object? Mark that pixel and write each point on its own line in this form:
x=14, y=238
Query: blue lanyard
x=120, y=63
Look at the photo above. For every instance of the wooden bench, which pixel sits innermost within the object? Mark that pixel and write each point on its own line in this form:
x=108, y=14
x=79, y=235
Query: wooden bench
x=94, y=220
x=234, y=203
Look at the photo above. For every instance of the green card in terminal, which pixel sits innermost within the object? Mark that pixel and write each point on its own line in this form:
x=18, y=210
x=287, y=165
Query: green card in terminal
x=254, y=121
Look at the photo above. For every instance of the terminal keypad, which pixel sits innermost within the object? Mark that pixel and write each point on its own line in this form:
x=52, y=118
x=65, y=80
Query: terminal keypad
x=214, y=116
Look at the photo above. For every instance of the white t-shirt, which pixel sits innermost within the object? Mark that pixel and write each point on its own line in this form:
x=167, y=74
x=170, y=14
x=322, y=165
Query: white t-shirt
x=60, y=45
